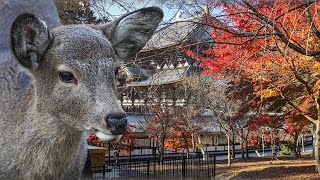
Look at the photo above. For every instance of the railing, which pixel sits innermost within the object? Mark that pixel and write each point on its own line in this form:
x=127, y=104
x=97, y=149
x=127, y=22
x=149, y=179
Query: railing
x=195, y=166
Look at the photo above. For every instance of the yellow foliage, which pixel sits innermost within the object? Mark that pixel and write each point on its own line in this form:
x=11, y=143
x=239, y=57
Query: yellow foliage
x=316, y=67
x=316, y=86
x=266, y=93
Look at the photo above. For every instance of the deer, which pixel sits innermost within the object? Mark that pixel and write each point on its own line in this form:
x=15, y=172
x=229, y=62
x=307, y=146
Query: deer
x=57, y=83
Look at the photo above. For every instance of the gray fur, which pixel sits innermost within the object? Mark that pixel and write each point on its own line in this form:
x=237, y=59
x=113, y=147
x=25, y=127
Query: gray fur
x=30, y=39
x=43, y=119
x=129, y=33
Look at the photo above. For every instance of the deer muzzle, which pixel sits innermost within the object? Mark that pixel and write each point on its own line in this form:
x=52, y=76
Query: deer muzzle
x=117, y=124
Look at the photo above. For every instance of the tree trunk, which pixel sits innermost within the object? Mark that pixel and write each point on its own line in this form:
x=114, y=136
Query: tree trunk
x=262, y=139
x=302, y=142
x=185, y=139
x=247, y=146
x=241, y=144
x=233, y=145
x=193, y=143
x=228, y=139
x=298, y=145
x=295, y=144
x=242, y=149
x=272, y=144
x=161, y=153
x=313, y=139
x=201, y=148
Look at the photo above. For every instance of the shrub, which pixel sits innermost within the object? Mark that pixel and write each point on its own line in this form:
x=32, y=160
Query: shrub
x=286, y=148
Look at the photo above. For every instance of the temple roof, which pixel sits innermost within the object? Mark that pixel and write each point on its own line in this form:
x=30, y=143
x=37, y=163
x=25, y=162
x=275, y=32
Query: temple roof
x=166, y=76
x=177, y=32
x=173, y=34
x=139, y=121
x=136, y=72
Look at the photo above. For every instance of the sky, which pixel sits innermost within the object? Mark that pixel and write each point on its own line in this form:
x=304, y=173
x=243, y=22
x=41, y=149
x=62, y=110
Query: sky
x=114, y=9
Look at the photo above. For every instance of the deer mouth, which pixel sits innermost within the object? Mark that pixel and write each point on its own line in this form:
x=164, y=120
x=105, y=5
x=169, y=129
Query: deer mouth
x=107, y=137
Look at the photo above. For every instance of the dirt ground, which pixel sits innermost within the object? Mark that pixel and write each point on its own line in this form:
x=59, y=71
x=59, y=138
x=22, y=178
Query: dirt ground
x=286, y=168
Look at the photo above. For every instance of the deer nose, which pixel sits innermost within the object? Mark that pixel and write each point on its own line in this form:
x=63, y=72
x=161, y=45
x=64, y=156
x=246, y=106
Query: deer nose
x=117, y=124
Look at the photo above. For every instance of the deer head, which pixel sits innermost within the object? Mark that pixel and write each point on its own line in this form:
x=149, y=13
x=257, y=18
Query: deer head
x=74, y=67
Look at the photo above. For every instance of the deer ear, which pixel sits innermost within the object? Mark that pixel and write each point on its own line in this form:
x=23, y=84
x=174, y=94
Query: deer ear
x=130, y=33
x=30, y=39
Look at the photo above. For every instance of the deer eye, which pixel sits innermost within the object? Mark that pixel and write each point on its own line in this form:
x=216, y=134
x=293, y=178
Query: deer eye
x=67, y=77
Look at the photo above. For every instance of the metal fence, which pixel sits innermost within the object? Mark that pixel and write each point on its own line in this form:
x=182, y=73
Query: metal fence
x=195, y=166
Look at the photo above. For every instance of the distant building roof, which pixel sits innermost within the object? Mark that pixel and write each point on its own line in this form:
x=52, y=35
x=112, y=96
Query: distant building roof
x=170, y=35
x=212, y=127
x=179, y=31
x=166, y=76
x=139, y=121
x=136, y=72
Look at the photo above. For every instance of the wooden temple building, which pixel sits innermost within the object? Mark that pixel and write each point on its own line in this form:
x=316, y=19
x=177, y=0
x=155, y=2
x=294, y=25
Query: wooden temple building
x=155, y=75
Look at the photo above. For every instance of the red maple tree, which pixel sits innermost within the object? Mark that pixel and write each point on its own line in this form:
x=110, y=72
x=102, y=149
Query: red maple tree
x=275, y=44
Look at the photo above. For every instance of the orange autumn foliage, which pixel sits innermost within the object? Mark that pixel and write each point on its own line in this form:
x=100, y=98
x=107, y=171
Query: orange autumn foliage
x=274, y=44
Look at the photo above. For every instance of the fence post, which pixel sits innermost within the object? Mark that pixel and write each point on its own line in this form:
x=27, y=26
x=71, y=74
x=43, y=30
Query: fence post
x=154, y=167
x=148, y=168
x=183, y=166
x=214, y=166
x=155, y=153
x=104, y=170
